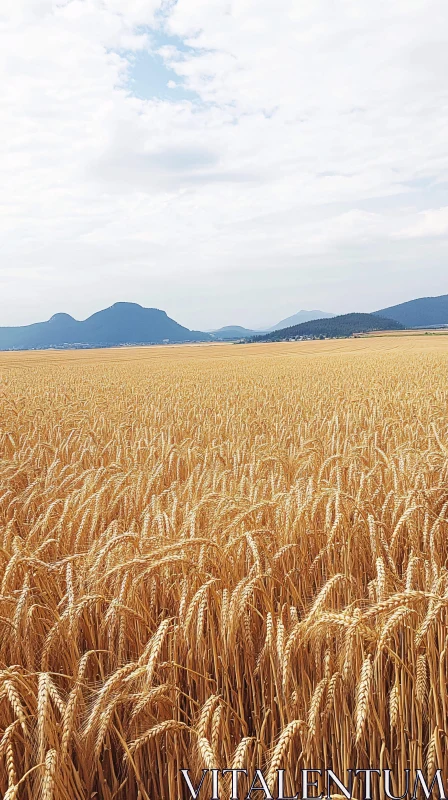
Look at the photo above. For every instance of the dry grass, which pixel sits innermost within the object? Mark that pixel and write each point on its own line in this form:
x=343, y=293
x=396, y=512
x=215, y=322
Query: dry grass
x=217, y=556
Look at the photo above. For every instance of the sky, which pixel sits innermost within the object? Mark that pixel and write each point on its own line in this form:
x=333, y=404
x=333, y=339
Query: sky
x=228, y=161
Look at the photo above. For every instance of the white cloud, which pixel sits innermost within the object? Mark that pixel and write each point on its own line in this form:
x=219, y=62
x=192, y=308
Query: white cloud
x=427, y=224
x=316, y=148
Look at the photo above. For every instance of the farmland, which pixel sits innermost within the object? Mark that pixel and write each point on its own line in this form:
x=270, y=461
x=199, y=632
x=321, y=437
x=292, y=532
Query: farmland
x=222, y=556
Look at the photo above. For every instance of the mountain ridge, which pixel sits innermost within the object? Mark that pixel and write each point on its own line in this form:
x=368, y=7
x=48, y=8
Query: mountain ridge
x=301, y=316
x=119, y=324
x=234, y=332
x=125, y=323
x=420, y=312
x=339, y=326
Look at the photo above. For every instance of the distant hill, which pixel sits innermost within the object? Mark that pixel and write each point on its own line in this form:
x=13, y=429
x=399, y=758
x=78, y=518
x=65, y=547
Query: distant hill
x=343, y=325
x=301, y=316
x=234, y=332
x=122, y=323
x=421, y=313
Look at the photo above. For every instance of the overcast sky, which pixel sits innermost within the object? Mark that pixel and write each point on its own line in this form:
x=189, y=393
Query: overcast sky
x=229, y=161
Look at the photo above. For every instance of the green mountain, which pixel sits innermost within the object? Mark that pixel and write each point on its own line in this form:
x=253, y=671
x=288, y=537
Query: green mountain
x=423, y=312
x=343, y=325
x=122, y=323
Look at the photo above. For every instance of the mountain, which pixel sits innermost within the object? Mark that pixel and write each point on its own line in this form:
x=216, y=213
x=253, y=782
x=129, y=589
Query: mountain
x=122, y=323
x=301, y=316
x=234, y=332
x=343, y=325
x=421, y=313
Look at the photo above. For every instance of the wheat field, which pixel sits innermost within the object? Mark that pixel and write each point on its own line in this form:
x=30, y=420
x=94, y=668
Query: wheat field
x=227, y=556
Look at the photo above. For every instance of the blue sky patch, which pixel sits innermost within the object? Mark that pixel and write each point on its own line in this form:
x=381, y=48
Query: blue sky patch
x=149, y=76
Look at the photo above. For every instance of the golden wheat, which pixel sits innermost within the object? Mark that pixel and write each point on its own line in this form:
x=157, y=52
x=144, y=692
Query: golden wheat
x=221, y=556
